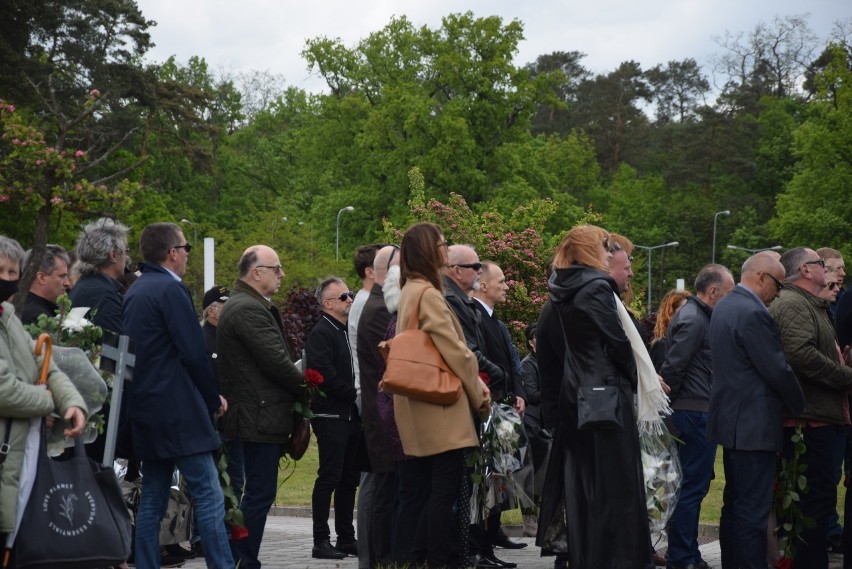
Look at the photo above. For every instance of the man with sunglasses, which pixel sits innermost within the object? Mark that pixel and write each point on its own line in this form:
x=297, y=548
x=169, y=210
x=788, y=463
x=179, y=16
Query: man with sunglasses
x=336, y=422
x=173, y=400
x=258, y=377
x=753, y=387
x=812, y=350
x=462, y=277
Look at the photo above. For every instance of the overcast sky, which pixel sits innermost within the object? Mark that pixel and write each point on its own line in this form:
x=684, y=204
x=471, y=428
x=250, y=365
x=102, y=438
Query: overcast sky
x=268, y=35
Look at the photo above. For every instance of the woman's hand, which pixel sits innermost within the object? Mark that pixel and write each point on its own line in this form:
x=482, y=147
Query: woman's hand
x=77, y=419
x=666, y=389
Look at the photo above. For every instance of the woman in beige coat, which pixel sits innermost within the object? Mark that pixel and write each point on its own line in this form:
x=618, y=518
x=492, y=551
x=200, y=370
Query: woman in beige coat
x=435, y=435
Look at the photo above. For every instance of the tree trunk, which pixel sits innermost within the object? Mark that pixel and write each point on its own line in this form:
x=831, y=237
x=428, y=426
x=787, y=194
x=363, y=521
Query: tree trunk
x=28, y=272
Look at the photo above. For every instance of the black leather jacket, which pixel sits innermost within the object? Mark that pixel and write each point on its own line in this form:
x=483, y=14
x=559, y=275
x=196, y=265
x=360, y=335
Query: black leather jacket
x=688, y=365
x=468, y=316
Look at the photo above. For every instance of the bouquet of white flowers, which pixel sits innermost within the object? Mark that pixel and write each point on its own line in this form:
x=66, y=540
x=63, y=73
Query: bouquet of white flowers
x=503, y=470
x=662, y=473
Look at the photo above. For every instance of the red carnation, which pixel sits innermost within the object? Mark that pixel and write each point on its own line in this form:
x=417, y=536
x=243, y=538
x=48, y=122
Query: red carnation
x=486, y=379
x=784, y=563
x=313, y=378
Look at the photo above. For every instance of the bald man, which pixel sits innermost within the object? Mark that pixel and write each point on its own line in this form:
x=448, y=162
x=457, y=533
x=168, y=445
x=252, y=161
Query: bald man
x=256, y=371
x=752, y=386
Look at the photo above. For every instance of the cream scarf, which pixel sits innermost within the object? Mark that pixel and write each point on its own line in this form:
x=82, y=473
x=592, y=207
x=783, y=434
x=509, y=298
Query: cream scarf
x=653, y=403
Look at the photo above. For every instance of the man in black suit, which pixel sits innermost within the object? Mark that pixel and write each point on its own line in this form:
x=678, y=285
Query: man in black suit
x=752, y=385
x=498, y=348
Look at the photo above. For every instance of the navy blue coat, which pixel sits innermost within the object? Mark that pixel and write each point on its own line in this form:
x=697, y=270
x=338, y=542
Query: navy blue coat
x=752, y=380
x=173, y=395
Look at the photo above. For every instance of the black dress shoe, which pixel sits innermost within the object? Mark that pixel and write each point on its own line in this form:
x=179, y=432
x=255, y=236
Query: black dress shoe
x=701, y=564
x=490, y=560
x=503, y=541
x=175, y=550
x=350, y=548
x=324, y=550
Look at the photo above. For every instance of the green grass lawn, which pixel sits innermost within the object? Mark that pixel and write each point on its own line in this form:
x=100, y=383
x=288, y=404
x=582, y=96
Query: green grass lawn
x=296, y=490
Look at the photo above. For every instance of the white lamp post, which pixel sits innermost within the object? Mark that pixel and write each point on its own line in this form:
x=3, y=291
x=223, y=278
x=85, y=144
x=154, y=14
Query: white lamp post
x=649, y=249
x=337, y=232
x=715, y=217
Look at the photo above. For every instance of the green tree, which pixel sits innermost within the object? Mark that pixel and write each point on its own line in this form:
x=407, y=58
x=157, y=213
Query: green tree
x=811, y=211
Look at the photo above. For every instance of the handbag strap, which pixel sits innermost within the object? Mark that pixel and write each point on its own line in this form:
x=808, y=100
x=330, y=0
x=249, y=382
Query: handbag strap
x=4, y=446
x=414, y=319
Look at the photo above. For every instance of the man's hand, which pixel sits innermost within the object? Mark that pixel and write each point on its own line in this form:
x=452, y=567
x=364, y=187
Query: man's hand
x=77, y=418
x=486, y=396
x=847, y=355
x=520, y=405
x=223, y=408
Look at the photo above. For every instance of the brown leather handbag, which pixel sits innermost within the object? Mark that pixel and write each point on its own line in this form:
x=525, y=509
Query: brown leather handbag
x=415, y=367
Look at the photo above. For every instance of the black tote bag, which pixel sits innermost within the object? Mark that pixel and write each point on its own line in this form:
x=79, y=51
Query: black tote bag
x=75, y=517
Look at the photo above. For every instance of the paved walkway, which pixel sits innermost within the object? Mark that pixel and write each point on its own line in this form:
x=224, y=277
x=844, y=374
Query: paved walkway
x=287, y=543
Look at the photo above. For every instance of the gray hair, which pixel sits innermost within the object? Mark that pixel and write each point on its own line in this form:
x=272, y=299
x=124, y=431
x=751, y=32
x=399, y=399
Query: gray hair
x=95, y=243
x=324, y=284
x=793, y=260
x=710, y=275
x=11, y=249
x=48, y=260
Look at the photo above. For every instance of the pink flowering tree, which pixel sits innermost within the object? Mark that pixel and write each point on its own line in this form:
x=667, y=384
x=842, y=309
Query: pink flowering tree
x=512, y=241
x=43, y=172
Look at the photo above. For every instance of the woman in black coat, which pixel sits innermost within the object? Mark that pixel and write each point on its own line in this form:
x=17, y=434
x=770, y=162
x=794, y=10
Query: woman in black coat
x=593, y=509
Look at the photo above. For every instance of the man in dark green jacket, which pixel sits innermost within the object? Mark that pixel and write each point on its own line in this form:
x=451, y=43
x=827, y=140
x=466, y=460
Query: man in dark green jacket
x=259, y=379
x=812, y=350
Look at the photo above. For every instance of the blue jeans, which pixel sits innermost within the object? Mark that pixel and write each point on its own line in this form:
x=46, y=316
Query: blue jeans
x=746, y=502
x=202, y=479
x=260, y=461
x=697, y=456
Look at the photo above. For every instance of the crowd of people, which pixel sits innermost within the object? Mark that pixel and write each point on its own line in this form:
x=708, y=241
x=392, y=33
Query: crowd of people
x=742, y=366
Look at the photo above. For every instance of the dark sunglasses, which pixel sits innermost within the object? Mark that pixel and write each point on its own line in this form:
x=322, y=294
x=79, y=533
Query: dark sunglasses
x=393, y=254
x=833, y=286
x=606, y=244
x=778, y=284
x=474, y=266
x=343, y=296
x=616, y=248
x=820, y=262
x=186, y=246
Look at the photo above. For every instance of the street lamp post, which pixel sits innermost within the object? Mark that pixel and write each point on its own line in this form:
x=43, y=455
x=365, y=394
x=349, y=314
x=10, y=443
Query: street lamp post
x=649, y=249
x=753, y=251
x=715, y=217
x=194, y=230
x=337, y=232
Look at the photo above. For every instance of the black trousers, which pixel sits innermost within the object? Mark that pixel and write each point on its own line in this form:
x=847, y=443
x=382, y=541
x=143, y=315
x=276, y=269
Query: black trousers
x=337, y=440
x=428, y=490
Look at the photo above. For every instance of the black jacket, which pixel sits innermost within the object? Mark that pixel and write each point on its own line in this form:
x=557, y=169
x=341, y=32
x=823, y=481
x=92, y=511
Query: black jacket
x=34, y=306
x=468, y=315
x=372, y=327
x=688, y=365
x=327, y=351
x=531, y=393
x=102, y=294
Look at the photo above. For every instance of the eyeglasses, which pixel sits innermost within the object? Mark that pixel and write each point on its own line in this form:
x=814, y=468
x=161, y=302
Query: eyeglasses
x=186, y=246
x=343, y=296
x=474, y=266
x=778, y=284
x=820, y=262
x=833, y=286
x=276, y=268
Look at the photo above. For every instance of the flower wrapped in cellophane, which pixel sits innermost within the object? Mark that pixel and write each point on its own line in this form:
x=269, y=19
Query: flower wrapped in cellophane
x=662, y=474
x=503, y=469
